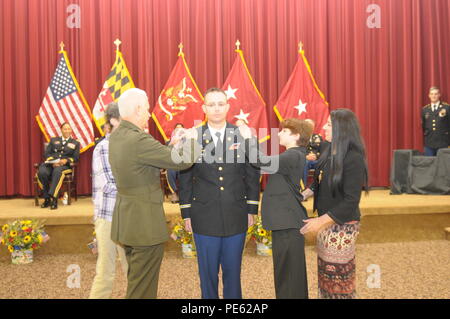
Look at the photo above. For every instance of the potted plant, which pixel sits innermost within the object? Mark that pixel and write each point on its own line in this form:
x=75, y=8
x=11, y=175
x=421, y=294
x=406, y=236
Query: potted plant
x=22, y=237
x=185, y=238
x=262, y=237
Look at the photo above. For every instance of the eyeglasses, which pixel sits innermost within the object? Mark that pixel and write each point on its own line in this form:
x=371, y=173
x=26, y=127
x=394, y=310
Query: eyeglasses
x=221, y=104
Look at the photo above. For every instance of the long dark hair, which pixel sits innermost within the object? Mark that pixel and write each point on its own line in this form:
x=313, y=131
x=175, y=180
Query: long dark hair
x=346, y=136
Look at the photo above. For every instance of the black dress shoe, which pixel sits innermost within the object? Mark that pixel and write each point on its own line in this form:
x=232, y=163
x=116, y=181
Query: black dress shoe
x=46, y=203
x=54, y=204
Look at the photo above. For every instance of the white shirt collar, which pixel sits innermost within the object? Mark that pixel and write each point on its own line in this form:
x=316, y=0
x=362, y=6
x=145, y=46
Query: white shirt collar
x=213, y=132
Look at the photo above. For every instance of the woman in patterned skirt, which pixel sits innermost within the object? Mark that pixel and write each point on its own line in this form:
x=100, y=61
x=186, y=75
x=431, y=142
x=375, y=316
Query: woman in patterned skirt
x=341, y=175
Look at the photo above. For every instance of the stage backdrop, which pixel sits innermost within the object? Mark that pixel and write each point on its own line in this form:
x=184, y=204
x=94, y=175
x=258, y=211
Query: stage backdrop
x=376, y=57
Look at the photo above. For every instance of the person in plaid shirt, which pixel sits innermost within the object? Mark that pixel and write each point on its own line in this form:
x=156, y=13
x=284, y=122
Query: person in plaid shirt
x=104, y=193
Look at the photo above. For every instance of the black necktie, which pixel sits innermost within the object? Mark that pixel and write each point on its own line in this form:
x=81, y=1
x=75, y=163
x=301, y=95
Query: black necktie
x=219, y=146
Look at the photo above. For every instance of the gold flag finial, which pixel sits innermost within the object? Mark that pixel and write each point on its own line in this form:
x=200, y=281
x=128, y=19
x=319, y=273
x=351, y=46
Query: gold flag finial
x=180, y=46
x=117, y=43
x=300, y=46
x=61, y=45
x=238, y=44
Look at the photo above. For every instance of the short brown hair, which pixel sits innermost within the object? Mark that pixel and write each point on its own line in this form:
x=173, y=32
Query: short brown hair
x=112, y=112
x=435, y=88
x=65, y=123
x=301, y=127
x=214, y=89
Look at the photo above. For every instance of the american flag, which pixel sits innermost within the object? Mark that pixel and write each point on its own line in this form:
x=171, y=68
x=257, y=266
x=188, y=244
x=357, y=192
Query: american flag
x=64, y=102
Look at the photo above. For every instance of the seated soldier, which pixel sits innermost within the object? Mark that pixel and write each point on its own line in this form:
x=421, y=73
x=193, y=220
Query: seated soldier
x=59, y=154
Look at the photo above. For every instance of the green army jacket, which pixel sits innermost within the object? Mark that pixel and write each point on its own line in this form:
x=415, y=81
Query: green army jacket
x=136, y=159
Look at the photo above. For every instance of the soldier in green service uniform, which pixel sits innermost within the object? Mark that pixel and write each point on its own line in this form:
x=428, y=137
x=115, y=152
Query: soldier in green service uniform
x=138, y=220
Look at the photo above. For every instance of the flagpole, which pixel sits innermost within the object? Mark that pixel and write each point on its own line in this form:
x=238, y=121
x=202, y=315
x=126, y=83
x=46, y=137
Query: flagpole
x=117, y=43
x=61, y=46
x=300, y=46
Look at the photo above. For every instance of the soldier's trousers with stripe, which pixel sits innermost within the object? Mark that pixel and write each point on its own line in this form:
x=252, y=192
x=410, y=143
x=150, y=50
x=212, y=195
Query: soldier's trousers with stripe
x=50, y=179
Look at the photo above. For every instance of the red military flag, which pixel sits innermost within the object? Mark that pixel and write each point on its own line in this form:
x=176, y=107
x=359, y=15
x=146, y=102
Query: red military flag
x=246, y=103
x=301, y=97
x=118, y=81
x=179, y=102
x=64, y=102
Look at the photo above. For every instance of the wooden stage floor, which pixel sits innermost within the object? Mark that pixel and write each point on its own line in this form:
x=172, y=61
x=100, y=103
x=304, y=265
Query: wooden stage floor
x=385, y=218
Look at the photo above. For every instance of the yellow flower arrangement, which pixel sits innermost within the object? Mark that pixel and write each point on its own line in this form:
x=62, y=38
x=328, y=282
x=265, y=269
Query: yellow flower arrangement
x=23, y=235
x=180, y=235
x=185, y=238
x=259, y=234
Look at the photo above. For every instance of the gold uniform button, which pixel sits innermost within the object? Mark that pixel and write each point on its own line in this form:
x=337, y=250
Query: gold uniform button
x=221, y=178
x=220, y=168
x=220, y=158
x=434, y=129
x=238, y=156
x=221, y=188
x=194, y=198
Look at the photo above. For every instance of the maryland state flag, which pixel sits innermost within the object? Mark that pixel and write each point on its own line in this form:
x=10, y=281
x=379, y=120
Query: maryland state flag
x=117, y=82
x=246, y=103
x=179, y=102
x=301, y=97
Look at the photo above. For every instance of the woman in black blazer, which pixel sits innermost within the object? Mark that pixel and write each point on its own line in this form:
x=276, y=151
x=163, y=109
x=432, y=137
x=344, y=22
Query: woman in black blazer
x=282, y=211
x=341, y=175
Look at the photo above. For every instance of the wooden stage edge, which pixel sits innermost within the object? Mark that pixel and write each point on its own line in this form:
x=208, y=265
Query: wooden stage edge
x=385, y=218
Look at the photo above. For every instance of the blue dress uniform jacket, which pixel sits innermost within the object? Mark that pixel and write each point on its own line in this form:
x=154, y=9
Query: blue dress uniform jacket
x=218, y=195
x=56, y=149
x=436, y=126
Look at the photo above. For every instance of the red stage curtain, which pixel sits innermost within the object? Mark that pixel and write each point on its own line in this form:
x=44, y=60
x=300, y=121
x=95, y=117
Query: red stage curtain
x=383, y=74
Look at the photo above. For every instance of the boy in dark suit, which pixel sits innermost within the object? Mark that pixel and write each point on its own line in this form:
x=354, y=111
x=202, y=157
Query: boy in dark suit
x=282, y=211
